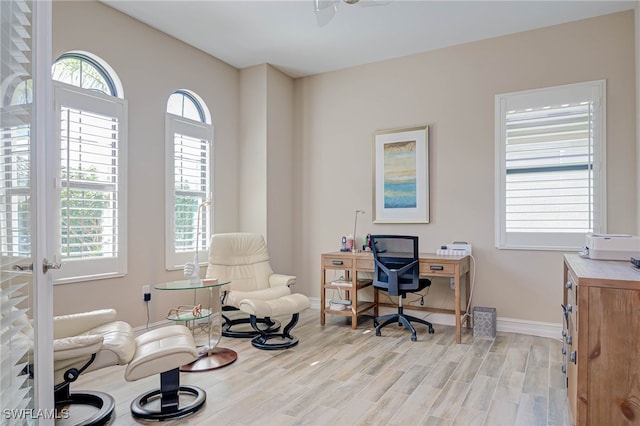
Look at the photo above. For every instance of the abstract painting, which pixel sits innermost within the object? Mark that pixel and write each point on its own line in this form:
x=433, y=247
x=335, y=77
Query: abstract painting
x=401, y=176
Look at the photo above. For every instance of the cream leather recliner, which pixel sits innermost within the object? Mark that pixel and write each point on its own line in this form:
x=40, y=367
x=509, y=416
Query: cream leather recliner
x=82, y=342
x=243, y=259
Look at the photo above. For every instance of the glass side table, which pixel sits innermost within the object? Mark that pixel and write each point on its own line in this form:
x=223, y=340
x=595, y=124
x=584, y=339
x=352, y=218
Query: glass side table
x=211, y=356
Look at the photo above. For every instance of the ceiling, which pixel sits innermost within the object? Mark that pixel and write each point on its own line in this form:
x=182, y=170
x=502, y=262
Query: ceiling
x=286, y=34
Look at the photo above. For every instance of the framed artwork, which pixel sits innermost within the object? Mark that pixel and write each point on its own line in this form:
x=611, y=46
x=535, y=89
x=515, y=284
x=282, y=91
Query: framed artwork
x=401, y=176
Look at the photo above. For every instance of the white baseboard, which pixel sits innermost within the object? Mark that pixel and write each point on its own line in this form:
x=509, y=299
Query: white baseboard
x=507, y=325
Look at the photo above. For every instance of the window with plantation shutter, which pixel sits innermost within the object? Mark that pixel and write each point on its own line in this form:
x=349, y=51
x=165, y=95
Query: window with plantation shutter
x=92, y=137
x=189, y=136
x=550, y=146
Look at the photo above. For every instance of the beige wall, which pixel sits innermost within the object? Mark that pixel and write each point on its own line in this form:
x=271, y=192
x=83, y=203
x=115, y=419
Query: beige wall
x=310, y=182
x=252, y=161
x=151, y=66
x=280, y=232
x=452, y=90
x=266, y=160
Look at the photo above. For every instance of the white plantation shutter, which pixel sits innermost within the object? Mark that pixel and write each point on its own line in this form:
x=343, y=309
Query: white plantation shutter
x=188, y=151
x=92, y=129
x=550, y=146
x=16, y=333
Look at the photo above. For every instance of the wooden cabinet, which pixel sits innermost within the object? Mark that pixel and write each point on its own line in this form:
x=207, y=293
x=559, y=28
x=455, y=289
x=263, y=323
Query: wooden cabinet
x=601, y=341
x=350, y=265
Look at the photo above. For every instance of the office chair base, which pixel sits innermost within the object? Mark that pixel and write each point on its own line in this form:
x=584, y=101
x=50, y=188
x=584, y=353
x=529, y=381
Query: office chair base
x=401, y=319
x=267, y=325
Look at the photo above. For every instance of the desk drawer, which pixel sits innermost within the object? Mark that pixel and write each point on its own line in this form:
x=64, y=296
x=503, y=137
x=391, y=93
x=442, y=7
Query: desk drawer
x=364, y=265
x=337, y=263
x=435, y=268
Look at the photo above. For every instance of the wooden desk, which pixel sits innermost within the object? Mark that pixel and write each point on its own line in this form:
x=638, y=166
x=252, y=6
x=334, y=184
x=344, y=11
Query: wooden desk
x=431, y=265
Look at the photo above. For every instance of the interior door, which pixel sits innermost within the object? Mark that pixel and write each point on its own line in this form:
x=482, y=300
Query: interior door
x=26, y=308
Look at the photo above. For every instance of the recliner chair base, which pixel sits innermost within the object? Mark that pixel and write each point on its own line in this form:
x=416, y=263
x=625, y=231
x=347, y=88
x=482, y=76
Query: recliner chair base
x=104, y=403
x=169, y=394
x=268, y=341
x=272, y=326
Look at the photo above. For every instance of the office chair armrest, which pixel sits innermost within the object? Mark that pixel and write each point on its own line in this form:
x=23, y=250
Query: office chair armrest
x=281, y=279
x=76, y=346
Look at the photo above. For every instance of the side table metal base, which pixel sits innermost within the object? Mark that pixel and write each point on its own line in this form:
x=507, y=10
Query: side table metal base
x=211, y=359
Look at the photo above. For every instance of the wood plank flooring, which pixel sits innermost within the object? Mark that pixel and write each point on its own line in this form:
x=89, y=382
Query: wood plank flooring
x=340, y=376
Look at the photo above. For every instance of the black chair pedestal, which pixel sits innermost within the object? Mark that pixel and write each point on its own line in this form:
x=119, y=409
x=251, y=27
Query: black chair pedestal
x=267, y=325
x=268, y=341
x=169, y=394
x=104, y=403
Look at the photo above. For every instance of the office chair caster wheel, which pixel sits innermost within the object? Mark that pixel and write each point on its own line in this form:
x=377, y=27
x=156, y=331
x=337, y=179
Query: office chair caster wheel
x=378, y=333
x=431, y=330
x=414, y=338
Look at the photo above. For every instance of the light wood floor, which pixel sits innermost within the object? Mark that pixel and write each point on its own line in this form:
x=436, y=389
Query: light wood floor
x=340, y=376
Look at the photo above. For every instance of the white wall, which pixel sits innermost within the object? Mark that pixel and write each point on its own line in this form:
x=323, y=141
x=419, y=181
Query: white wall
x=452, y=90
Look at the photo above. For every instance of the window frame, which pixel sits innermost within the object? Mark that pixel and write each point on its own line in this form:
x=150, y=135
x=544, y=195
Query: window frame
x=592, y=91
x=75, y=270
x=199, y=130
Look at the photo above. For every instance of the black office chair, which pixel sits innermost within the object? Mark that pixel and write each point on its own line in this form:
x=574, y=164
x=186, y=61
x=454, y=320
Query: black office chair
x=397, y=272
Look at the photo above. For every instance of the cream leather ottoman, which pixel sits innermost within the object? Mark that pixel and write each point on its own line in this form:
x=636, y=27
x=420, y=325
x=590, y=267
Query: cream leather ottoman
x=291, y=304
x=163, y=351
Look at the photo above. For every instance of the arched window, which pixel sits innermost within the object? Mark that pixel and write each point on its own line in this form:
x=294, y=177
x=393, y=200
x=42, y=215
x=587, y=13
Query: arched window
x=92, y=129
x=189, y=138
x=86, y=72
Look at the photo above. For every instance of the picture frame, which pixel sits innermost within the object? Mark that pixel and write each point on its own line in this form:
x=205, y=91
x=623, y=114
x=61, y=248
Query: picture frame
x=401, y=176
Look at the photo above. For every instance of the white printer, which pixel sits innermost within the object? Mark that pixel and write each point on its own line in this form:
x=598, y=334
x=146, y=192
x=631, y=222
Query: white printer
x=612, y=246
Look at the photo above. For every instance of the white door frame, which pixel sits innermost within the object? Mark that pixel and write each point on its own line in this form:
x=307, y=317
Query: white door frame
x=42, y=178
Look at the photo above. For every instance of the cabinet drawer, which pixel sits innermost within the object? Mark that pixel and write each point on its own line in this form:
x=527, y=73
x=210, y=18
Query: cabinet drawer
x=337, y=263
x=435, y=268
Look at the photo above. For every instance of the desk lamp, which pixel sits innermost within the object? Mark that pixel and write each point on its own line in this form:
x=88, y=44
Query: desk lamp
x=192, y=270
x=355, y=225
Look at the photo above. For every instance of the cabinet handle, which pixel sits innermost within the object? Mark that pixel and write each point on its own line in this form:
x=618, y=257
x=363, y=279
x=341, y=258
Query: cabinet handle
x=566, y=315
x=436, y=267
x=572, y=357
x=564, y=332
x=564, y=369
x=569, y=307
x=568, y=285
x=337, y=262
x=569, y=340
x=564, y=350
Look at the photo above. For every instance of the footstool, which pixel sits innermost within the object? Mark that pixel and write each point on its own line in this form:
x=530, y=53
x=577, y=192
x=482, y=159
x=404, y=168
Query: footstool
x=291, y=304
x=163, y=351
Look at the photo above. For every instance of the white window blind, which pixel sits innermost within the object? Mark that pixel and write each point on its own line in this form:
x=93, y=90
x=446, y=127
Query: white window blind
x=92, y=129
x=188, y=188
x=551, y=149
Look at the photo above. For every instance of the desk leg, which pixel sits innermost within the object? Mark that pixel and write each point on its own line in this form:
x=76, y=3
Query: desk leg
x=212, y=357
x=457, y=310
x=322, y=294
x=467, y=282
